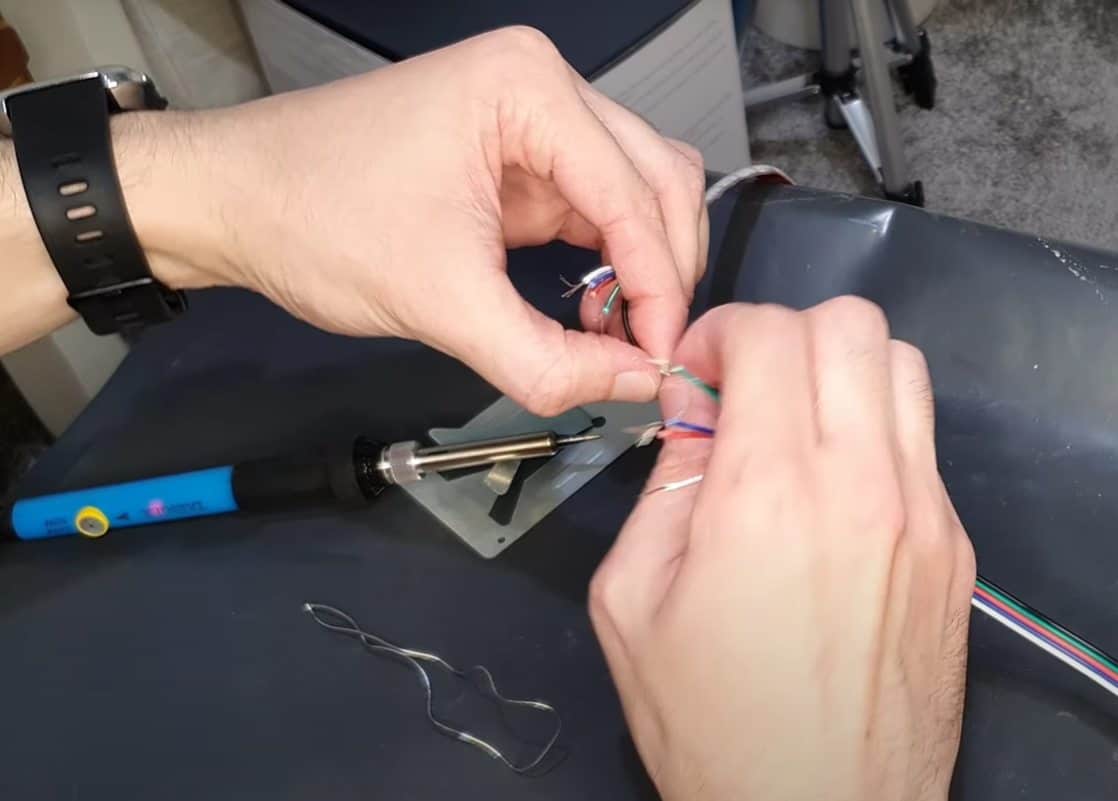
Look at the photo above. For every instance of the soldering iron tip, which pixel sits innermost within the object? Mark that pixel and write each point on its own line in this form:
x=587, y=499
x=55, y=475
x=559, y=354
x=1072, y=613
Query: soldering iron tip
x=574, y=439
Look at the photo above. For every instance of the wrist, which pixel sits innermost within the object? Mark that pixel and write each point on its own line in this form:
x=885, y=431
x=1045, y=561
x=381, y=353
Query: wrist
x=173, y=192
x=33, y=302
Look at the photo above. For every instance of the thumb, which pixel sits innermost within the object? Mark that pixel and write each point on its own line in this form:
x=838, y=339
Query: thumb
x=533, y=359
x=639, y=570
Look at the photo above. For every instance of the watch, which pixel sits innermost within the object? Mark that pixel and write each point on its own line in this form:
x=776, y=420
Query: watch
x=60, y=130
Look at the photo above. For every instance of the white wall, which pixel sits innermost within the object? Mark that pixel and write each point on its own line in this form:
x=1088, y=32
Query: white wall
x=60, y=373
x=198, y=55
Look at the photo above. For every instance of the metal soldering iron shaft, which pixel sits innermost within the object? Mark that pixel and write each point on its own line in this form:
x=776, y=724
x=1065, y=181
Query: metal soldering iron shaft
x=574, y=439
x=405, y=462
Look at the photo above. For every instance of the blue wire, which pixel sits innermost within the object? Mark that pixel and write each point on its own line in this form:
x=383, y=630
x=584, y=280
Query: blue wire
x=998, y=613
x=698, y=429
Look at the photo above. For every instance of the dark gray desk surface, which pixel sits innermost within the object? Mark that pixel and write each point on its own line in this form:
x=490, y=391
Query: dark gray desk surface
x=174, y=662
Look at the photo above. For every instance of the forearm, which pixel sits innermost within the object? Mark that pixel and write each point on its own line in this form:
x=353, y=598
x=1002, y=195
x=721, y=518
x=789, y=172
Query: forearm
x=172, y=199
x=33, y=300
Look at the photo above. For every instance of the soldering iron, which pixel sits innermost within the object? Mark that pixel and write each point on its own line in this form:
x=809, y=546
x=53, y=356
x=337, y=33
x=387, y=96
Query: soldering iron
x=358, y=474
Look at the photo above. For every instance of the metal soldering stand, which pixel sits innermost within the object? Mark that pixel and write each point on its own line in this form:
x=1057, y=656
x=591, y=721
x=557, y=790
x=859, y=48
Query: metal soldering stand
x=844, y=76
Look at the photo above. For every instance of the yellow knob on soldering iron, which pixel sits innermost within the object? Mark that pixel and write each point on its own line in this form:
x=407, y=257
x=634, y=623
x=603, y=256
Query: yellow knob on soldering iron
x=91, y=522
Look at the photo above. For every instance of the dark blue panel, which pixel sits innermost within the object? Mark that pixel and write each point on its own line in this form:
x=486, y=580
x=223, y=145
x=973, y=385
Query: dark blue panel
x=175, y=663
x=591, y=34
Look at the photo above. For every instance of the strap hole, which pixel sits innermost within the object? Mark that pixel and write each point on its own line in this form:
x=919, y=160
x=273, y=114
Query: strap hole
x=97, y=262
x=73, y=188
x=89, y=236
x=63, y=159
x=80, y=212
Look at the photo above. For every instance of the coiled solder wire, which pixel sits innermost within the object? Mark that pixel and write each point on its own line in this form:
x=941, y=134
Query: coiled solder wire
x=344, y=624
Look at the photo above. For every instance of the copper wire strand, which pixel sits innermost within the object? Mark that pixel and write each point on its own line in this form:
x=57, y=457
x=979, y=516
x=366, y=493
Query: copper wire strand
x=572, y=288
x=413, y=659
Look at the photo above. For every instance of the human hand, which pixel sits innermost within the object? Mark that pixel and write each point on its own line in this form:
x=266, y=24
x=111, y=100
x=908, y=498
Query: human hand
x=795, y=626
x=384, y=204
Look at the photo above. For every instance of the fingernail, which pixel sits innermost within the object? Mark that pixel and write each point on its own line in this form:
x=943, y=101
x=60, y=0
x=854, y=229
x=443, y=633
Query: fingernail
x=635, y=385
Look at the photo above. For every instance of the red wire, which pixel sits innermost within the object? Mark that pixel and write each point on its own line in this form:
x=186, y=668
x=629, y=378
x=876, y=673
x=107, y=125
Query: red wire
x=1045, y=634
x=683, y=435
x=609, y=282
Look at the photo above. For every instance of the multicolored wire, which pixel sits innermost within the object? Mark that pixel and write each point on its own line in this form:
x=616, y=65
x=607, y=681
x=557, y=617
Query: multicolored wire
x=590, y=281
x=990, y=599
x=1046, y=634
x=600, y=276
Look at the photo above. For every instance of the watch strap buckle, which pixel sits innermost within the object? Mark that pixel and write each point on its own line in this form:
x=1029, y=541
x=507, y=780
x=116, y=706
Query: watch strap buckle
x=127, y=305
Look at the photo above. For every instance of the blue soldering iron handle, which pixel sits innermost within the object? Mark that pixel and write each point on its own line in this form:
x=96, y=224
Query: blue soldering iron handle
x=93, y=511
x=345, y=475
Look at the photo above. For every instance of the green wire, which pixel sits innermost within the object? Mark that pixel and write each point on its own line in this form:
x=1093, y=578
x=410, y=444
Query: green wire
x=608, y=308
x=691, y=378
x=1049, y=625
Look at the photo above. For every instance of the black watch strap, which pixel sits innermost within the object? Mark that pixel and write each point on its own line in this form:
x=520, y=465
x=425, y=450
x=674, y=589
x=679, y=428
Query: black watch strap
x=65, y=155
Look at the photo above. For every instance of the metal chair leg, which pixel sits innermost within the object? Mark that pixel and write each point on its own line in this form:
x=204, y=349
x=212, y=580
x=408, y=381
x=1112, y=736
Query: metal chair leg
x=918, y=76
x=836, y=77
x=904, y=24
x=868, y=22
x=872, y=120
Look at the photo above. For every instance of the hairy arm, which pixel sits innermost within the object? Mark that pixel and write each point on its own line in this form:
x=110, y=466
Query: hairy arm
x=170, y=200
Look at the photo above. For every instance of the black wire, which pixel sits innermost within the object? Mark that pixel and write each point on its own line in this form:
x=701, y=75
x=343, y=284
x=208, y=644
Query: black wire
x=625, y=323
x=1058, y=627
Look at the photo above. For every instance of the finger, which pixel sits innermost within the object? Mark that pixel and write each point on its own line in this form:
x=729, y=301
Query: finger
x=693, y=155
x=643, y=561
x=913, y=406
x=645, y=558
x=533, y=359
x=852, y=360
x=534, y=213
x=646, y=552
x=704, y=243
x=673, y=170
x=576, y=230
x=600, y=181
x=759, y=357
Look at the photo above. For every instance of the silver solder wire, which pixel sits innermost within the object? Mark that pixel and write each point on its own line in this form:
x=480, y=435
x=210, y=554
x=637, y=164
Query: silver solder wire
x=413, y=658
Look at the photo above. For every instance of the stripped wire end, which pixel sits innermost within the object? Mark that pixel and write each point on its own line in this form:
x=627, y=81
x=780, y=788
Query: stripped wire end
x=694, y=380
x=647, y=433
x=589, y=281
x=572, y=288
x=674, y=486
x=607, y=307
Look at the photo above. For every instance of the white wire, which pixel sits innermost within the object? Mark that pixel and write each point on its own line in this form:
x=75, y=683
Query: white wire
x=750, y=173
x=1041, y=643
x=717, y=190
x=672, y=486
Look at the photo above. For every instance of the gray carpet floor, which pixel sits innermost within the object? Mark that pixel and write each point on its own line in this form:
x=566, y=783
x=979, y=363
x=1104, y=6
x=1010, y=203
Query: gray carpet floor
x=1025, y=131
